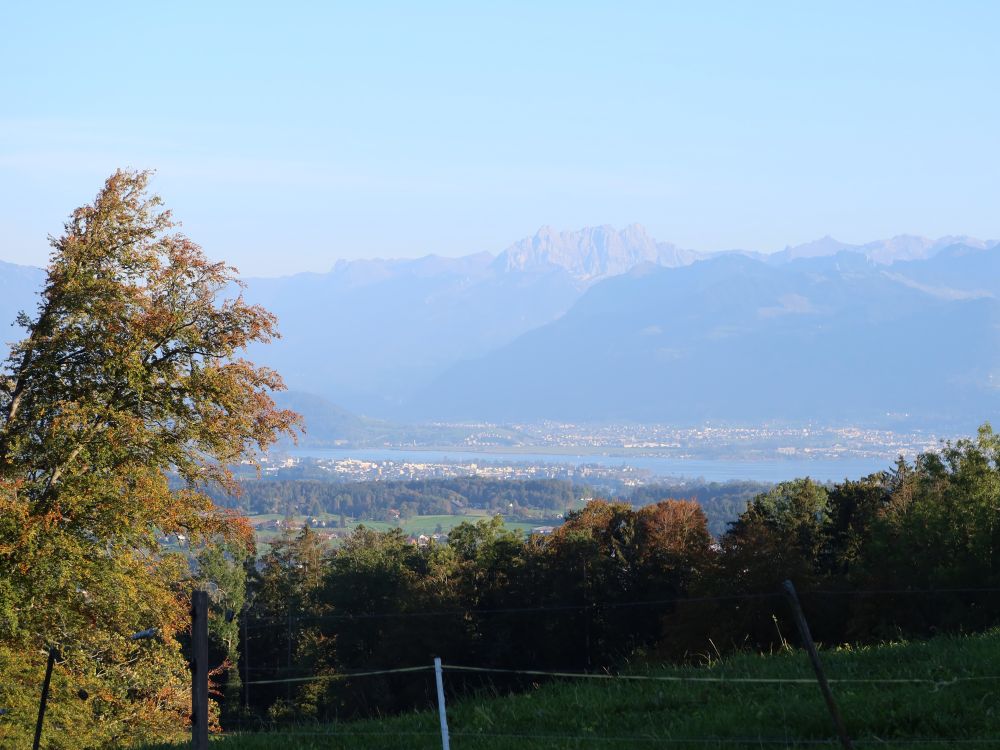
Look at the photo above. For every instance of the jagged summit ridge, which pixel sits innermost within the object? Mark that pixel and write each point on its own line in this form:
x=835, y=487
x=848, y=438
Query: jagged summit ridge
x=591, y=253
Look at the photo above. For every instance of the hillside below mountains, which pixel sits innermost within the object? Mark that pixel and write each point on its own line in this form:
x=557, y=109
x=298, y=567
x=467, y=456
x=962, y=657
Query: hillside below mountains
x=603, y=324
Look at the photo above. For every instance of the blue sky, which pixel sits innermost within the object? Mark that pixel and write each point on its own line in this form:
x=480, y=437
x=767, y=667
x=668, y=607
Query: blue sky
x=288, y=135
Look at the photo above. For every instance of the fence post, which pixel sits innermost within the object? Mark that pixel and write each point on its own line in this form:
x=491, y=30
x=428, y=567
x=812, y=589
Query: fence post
x=245, y=652
x=288, y=661
x=442, y=714
x=824, y=686
x=43, y=702
x=199, y=670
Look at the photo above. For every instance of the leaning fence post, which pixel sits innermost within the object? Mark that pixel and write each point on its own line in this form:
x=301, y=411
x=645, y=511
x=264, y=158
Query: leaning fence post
x=53, y=655
x=824, y=686
x=199, y=670
x=442, y=714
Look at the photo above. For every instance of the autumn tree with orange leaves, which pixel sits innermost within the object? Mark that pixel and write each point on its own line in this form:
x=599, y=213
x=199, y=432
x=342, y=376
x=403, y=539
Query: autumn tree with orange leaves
x=129, y=372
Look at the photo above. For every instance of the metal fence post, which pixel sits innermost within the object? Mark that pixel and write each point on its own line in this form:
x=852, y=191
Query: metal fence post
x=199, y=670
x=442, y=714
x=824, y=686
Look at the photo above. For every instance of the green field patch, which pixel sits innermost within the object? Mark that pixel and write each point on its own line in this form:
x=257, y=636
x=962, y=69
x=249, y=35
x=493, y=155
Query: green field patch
x=414, y=526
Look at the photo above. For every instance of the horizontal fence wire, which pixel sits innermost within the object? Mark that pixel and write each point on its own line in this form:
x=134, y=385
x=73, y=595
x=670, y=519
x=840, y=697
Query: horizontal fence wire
x=760, y=740
x=724, y=679
x=606, y=676
x=659, y=739
x=261, y=622
x=551, y=736
x=881, y=592
x=342, y=675
x=582, y=740
x=772, y=740
x=283, y=619
x=349, y=733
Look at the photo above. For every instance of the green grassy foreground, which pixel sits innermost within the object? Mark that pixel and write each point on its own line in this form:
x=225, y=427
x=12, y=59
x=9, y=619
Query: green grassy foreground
x=579, y=713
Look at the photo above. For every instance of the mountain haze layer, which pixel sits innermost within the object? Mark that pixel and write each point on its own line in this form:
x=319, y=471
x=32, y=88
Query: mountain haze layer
x=371, y=333
x=606, y=324
x=830, y=337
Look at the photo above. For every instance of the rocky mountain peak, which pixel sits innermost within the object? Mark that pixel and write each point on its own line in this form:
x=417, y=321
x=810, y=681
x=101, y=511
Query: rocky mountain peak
x=591, y=253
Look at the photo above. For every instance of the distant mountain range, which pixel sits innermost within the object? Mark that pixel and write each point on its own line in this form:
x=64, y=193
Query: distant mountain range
x=603, y=324
x=832, y=338
x=884, y=252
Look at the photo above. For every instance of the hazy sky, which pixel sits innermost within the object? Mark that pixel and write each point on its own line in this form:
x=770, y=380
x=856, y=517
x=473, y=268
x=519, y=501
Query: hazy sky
x=286, y=135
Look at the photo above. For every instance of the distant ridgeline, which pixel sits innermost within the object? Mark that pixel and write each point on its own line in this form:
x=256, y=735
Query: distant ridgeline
x=721, y=502
x=612, y=326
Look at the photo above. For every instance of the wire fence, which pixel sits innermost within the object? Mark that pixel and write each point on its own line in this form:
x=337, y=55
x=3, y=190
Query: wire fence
x=936, y=683
x=553, y=730
x=265, y=621
x=774, y=738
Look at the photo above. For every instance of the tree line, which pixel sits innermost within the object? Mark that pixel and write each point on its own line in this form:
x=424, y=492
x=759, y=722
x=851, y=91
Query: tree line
x=895, y=554
x=721, y=501
x=372, y=500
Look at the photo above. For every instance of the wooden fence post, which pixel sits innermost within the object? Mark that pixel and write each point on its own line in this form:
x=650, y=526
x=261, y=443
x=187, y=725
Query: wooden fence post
x=246, y=662
x=199, y=670
x=53, y=655
x=824, y=686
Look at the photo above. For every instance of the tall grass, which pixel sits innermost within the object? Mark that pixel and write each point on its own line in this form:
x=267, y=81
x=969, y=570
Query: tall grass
x=958, y=706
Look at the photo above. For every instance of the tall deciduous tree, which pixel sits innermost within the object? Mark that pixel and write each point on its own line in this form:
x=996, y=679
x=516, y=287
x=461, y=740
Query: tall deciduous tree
x=129, y=371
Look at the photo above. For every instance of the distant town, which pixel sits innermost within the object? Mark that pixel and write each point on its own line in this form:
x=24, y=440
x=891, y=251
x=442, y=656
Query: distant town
x=360, y=470
x=609, y=456
x=706, y=441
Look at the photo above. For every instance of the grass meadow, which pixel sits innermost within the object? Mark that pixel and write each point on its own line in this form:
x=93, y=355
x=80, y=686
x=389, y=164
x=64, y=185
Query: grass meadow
x=939, y=693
